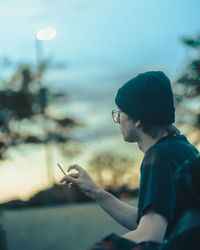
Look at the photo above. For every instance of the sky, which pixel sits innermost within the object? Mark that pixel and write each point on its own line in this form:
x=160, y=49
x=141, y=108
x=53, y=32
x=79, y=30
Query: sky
x=103, y=44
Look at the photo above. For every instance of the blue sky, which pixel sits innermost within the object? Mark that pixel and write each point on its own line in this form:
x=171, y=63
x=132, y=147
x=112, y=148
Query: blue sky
x=103, y=43
x=111, y=36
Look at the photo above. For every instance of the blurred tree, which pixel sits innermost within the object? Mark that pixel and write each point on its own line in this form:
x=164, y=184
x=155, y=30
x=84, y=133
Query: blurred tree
x=187, y=92
x=25, y=113
x=112, y=170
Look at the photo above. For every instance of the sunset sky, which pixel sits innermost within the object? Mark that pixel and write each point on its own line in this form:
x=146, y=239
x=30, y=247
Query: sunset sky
x=103, y=44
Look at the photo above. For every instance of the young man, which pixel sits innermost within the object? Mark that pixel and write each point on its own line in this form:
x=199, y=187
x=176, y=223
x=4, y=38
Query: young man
x=146, y=115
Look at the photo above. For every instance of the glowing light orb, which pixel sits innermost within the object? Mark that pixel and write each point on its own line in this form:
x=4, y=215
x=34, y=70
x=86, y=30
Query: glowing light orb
x=46, y=34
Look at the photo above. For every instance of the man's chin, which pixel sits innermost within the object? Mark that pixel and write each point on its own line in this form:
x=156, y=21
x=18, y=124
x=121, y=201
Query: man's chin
x=130, y=139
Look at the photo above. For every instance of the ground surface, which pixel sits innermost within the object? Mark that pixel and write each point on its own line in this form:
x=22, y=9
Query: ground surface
x=63, y=227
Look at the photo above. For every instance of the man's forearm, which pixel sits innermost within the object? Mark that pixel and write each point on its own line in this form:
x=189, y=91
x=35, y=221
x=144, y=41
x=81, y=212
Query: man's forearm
x=123, y=213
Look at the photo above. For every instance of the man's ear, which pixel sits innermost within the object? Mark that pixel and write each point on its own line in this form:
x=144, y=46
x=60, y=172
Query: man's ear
x=137, y=124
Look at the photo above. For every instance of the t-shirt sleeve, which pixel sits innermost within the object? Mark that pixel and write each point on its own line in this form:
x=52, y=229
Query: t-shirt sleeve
x=157, y=185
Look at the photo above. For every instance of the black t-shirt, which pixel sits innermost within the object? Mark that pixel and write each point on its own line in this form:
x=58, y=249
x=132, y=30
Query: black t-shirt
x=157, y=183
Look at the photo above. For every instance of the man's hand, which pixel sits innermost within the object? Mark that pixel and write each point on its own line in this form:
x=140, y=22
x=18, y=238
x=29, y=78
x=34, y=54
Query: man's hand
x=152, y=227
x=81, y=179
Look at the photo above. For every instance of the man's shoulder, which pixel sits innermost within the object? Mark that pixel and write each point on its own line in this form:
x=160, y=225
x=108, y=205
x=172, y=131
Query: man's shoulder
x=156, y=158
x=176, y=149
x=167, y=142
x=155, y=151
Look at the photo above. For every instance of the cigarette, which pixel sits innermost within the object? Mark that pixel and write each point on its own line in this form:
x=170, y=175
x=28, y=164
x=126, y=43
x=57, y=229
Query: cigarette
x=61, y=169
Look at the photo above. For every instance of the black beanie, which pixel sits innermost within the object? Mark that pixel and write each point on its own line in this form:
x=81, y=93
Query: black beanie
x=148, y=97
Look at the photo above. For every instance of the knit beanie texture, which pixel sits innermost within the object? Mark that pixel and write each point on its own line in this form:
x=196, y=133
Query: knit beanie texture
x=148, y=97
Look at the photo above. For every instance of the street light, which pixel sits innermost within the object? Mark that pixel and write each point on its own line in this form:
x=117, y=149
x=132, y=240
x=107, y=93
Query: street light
x=46, y=34
x=41, y=35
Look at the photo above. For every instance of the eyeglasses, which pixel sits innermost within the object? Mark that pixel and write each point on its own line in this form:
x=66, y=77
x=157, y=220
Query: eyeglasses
x=116, y=115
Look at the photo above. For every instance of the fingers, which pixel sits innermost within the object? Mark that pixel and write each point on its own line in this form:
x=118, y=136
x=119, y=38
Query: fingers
x=69, y=178
x=74, y=175
x=77, y=167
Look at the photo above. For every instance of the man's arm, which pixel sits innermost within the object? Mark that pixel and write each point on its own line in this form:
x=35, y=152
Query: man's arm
x=152, y=227
x=123, y=213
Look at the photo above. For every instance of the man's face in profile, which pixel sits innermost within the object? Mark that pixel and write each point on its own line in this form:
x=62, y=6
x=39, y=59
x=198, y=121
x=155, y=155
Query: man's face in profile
x=127, y=127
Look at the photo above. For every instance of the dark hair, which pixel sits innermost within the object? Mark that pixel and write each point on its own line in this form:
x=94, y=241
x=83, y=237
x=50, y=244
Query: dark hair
x=154, y=129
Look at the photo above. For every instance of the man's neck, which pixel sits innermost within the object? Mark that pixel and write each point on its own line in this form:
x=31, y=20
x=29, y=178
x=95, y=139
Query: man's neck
x=146, y=142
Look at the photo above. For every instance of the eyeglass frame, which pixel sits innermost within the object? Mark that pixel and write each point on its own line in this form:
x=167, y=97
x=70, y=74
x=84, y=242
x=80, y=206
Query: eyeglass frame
x=114, y=111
